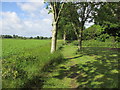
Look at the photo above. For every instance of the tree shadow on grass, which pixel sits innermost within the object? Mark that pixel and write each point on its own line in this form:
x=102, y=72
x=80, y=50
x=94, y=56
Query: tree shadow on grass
x=50, y=66
x=37, y=82
x=99, y=73
x=71, y=72
x=74, y=57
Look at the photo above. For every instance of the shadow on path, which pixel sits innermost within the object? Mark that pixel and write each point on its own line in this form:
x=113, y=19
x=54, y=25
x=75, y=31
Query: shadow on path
x=102, y=72
x=37, y=82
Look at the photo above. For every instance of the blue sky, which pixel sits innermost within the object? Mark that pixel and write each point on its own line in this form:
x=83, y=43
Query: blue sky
x=26, y=19
x=12, y=7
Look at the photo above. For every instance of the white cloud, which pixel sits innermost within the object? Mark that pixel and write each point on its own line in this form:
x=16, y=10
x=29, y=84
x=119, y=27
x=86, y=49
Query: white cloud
x=12, y=24
x=35, y=0
x=34, y=9
x=30, y=7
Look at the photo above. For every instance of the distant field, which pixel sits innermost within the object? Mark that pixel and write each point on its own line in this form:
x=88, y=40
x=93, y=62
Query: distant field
x=16, y=46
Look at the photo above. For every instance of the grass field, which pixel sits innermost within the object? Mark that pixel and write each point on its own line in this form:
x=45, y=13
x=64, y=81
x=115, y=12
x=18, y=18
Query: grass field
x=16, y=46
x=28, y=63
x=23, y=60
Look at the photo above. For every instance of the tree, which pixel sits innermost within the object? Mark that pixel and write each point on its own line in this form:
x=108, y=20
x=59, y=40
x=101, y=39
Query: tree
x=66, y=31
x=92, y=32
x=85, y=11
x=37, y=37
x=41, y=37
x=6, y=36
x=55, y=9
x=15, y=36
x=67, y=18
x=110, y=19
x=31, y=38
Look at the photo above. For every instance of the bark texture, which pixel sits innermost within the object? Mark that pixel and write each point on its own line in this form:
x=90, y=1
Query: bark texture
x=54, y=37
x=56, y=14
x=80, y=37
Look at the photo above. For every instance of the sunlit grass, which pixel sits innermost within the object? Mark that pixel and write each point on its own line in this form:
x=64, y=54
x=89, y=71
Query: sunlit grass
x=28, y=59
x=92, y=67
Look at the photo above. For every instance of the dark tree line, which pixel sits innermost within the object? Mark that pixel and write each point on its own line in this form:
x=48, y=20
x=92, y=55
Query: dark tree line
x=21, y=37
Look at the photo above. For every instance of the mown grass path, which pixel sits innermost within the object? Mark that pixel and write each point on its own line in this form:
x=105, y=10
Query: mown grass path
x=57, y=78
x=90, y=68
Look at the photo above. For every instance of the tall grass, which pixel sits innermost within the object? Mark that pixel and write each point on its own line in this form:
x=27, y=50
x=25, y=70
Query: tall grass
x=17, y=46
x=21, y=67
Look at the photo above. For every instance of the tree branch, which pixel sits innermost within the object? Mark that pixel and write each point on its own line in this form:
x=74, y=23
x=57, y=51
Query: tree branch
x=53, y=9
x=75, y=31
x=87, y=14
x=60, y=12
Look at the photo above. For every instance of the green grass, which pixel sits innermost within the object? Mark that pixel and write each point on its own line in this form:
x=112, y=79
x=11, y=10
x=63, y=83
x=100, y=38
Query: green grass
x=92, y=67
x=31, y=65
x=24, y=60
x=16, y=46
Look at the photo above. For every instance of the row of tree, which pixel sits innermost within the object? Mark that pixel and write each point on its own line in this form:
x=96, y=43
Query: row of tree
x=21, y=37
x=69, y=19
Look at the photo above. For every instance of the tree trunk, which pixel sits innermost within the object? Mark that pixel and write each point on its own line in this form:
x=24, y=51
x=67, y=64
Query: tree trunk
x=80, y=37
x=54, y=37
x=80, y=41
x=64, y=37
x=56, y=16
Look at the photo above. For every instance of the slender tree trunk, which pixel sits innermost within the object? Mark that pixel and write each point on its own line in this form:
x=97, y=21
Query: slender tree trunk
x=80, y=40
x=64, y=37
x=54, y=37
x=80, y=37
x=79, y=43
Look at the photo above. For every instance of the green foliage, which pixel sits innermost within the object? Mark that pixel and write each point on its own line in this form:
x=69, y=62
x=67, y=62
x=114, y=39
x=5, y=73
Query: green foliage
x=100, y=33
x=92, y=32
x=96, y=43
x=109, y=18
x=68, y=16
x=102, y=37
